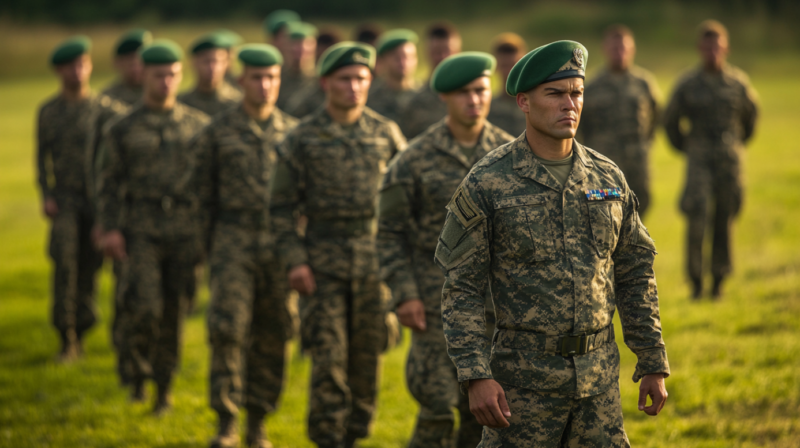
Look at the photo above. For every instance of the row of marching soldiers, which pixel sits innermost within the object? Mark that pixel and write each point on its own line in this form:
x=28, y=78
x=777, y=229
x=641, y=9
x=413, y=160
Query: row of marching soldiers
x=280, y=179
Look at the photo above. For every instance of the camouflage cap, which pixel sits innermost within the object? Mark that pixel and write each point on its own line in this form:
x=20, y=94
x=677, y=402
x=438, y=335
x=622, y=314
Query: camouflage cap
x=460, y=69
x=558, y=60
x=394, y=38
x=711, y=27
x=70, y=49
x=344, y=54
x=300, y=30
x=277, y=19
x=260, y=55
x=161, y=51
x=132, y=40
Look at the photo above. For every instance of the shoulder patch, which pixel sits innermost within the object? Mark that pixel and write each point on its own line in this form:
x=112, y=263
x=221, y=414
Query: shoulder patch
x=465, y=209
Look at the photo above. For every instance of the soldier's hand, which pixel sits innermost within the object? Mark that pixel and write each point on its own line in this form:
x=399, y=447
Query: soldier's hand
x=487, y=402
x=113, y=245
x=301, y=279
x=50, y=208
x=653, y=386
x=411, y=314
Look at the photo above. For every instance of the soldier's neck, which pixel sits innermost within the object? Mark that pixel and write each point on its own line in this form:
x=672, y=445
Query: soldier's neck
x=399, y=83
x=712, y=67
x=548, y=147
x=258, y=112
x=344, y=116
x=209, y=87
x=465, y=135
x=159, y=105
x=75, y=93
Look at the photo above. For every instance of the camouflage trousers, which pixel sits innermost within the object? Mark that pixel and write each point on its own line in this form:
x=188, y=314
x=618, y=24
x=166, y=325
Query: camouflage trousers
x=248, y=322
x=343, y=328
x=552, y=420
x=75, y=265
x=124, y=364
x=154, y=303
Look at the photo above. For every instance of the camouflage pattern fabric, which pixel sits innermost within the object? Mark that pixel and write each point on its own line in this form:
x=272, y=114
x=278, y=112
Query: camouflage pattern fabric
x=292, y=84
x=424, y=109
x=307, y=100
x=722, y=110
x=619, y=118
x=332, y=173
x=387, y=101
x=211, y=104
x=506, y=115
x=124, y=93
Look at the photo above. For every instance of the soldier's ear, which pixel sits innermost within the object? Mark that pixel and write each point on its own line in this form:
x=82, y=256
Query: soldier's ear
x=523, y=102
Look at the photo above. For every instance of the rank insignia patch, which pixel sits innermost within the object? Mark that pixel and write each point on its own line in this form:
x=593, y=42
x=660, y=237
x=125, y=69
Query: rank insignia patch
x=604, y=194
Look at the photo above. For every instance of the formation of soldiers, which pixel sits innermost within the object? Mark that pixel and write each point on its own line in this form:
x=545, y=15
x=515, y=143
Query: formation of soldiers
x=296, y=174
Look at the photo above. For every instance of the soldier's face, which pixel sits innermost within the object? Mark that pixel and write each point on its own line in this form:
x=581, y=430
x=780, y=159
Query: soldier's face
x=439, y=49
x=348, y=86
x=210, y=66
x=76, y=73
x=401, y=62
x=261, y=85
x=281, y=42
x=554, y=108
x=713, y=50
x=161, y=82
x=470, y=104
x=505, y=62
x=129, y=67
x=301, y=50
x=620, y=51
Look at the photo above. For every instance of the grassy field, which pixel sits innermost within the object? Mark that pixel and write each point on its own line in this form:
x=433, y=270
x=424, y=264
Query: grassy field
x=735, y=363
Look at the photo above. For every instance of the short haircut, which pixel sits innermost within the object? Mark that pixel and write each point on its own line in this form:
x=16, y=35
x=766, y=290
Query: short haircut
x=328, y=37
x=442, y=30
x=711, y=28
x=618, y=30
x=368, y=33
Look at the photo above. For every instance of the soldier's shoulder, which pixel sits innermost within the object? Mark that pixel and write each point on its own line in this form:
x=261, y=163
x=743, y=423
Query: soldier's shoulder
x=687, y=78
x=49, y=103
x=190, y=113
x=498, y=135
x=736, y=74
x=496, y=159
x=376, y=118
x=599, y=78
x=288, y=120
x=125, y=120
x=422, y=144
x=600, y=160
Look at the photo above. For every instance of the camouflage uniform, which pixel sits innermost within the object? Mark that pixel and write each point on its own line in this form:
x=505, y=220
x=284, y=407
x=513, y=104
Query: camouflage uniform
x=292, y=84
x=387, y=101
x=506, y=115
x=306, y=101
x=722, y=109
x=415, y=192
x=332, y=173
x=64, y=163
x=558, y=265
x=248, y=325
x=143, y=156
x=124, y=93
x=211, y=104
x=423, y=110
x=620, y=113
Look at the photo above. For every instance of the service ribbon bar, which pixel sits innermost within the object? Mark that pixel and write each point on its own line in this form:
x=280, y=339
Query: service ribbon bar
x=603, y=194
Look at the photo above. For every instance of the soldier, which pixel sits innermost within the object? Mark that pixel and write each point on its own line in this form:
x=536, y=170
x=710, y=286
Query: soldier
x=721, y=106
x=297, y=78
x=147, y=221
x=425, y=108
x=248, y=325
x=368, y=33
x=551, y=227
x=63, y=161
x=210, y=60
x=330, y=168
x=508, y=48
x=128, y=88
x=415, y=191
x=621, y=112
x=234, y=40
x=396, y=65
x=275, y=26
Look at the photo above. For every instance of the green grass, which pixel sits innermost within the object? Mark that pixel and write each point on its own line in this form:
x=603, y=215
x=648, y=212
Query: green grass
x=735, y=363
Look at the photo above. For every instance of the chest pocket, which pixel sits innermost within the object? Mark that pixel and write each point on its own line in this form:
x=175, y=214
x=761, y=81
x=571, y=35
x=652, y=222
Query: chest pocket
x=606, y=221
x=524, y=228
x=437, y=188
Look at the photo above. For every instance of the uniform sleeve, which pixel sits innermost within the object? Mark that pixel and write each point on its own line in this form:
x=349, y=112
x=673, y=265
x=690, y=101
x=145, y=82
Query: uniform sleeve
x=399, y=142
x=104, y=115
x=111, y=180
x=750, y=113
x=44, y=151
x=287, y=200
x=637, y=295
x=464, y=257
x=655, y=103
x=672, y=119
x=203, y=180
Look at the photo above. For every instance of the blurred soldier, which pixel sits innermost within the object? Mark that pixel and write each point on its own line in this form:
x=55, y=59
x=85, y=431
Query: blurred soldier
x=297, y=76
x=396, y=65
x=310, y=96
x=550, y=227
x=248, y=325
x=508, y=48
x=415, y=192
x=210, y=61
x=275, y=26
x=368, y=33
x=721, y=106
x=330, y=168
x=327, y=38
x=147, y=222
x=425, y=107
x=128, y=88
x=621, y=112
x=63, y=160
x=234, y=40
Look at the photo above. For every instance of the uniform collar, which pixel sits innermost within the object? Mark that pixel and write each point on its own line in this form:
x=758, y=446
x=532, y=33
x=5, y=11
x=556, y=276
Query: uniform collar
x=246, y=123
x=333, y=128
x=527, y=165
x=442, y=139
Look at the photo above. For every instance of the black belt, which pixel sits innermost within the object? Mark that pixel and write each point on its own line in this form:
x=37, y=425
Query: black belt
x=564, y=345
x=342, y=228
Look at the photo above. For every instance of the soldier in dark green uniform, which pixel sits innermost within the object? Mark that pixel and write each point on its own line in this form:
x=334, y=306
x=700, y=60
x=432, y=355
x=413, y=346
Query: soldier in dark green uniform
x=210, y=60
x=621, y=112
x=425, y=108
x=507, y=48
x=148, y=222
x=394, y=85
x=233, y=40
x=551, y=228
x=300, y=94
x=721, y=106
x=329, y=169
x=128, y=88
x=275, y=27
x=415, y=192
x=248, y=324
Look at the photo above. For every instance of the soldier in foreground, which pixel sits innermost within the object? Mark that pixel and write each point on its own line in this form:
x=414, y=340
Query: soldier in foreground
x=128, y=88
x=297, y=77
x=210, y=61
x=507, y=48
x=721, y=106
x=330, y=168
x=396, y=65
x=425, y=107
x=248, y=325
x=148, y=222
x=415, y=192
x=621, y=112
x=552, y=228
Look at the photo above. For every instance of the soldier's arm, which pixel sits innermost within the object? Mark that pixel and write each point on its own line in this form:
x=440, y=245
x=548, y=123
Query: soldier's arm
x=464, y=257
x=43, y=153
x=399, y=142
x=654, y=94
x=202, y=179
x=750, y=114
x=672, y=120
x=637, y=294
x=111, y=182
x=287, y=199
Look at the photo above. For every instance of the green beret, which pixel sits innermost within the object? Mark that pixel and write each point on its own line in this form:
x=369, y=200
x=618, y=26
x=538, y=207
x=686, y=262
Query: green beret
x=132, y=40
x=260, y=55
x=346, y=53
x=394, y=38
x=70, y=49
x=229, y=38
x=460, y=69
x=551, y=62
x=277, y=19
x=162, y=51
x=210, y=41
x=300, y=30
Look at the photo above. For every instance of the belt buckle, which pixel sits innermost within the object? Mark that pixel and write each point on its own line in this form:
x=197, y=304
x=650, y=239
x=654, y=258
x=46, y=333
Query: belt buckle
x=166, y=204
x=575, y=344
